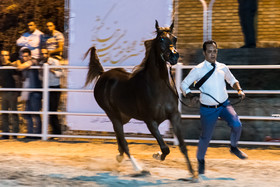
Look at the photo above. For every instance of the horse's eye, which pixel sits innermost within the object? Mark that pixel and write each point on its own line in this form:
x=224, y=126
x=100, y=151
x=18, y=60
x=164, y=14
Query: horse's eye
x=162, y=39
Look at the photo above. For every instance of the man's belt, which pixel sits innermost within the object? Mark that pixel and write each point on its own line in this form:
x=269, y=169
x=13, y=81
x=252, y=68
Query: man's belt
x=211, y=106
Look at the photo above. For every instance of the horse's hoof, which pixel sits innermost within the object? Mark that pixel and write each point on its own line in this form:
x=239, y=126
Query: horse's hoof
x=119, y=158
x=143, y=173
x=157, y=156
x=196, y=179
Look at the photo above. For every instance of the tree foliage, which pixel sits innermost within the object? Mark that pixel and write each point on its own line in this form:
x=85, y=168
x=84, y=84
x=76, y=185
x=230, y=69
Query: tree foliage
x=15, y=14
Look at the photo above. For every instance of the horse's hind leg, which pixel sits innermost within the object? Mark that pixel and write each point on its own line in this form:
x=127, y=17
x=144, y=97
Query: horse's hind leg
x=122, y=143
x=153, y=127
x=176, y=122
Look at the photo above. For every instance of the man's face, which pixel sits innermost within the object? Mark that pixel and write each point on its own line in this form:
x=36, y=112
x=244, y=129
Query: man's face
x=44, y=53
x=211, y=53
x=25, y=57
x=5, y=56
x=31, y=26
x=50, y=27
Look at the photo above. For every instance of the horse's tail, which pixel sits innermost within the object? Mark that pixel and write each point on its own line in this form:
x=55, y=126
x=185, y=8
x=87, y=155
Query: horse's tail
x=94, y=67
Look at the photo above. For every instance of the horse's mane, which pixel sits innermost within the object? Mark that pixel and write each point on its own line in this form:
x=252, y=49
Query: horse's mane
x=148, y=46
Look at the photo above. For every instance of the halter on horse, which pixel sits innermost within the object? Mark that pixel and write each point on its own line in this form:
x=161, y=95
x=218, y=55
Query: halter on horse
x=145, y=94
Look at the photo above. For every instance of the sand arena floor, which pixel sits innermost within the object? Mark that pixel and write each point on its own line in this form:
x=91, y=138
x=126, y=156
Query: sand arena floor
x=93, y=163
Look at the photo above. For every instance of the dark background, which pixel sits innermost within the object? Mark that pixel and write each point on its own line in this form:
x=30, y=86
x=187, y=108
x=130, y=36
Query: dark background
x=15, y=14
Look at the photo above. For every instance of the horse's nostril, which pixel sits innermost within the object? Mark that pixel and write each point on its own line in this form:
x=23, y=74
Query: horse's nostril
x=173, y=49
x=174, y=55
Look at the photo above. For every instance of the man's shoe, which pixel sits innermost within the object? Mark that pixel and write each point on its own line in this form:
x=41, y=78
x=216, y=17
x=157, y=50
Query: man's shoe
x=36, y=138
x=201, y=166
x=32, y=137
x=238, y=153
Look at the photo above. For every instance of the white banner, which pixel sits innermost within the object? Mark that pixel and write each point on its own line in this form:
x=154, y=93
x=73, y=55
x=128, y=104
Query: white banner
x=118, y=29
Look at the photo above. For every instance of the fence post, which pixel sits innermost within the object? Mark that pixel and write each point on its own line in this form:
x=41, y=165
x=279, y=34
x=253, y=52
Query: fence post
x=45, y=101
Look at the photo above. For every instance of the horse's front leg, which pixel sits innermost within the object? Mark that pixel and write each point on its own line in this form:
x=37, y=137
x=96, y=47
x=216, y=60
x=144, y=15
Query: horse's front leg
x=120, y=156
x=153, y=127
x=176, y=123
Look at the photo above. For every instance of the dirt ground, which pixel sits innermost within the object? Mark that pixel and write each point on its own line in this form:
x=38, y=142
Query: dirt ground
x=93, y=163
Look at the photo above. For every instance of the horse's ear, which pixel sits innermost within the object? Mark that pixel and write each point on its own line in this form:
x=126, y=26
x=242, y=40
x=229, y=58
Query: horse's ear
x=157, y=27
x=171, y=26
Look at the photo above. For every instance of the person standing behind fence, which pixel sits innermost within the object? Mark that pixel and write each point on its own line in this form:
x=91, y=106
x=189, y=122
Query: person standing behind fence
x=31, y=40
x=33, y=102
x=53, y=40
x=9, y=98
x=54, y=82
x=247, y=10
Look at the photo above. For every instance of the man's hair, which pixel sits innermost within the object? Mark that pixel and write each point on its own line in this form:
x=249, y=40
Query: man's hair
x=31, y=21
x=209, y=42
x=26, y=50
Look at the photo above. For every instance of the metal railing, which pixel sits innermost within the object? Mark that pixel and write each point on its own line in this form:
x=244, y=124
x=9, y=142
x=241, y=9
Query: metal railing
x=178, y=76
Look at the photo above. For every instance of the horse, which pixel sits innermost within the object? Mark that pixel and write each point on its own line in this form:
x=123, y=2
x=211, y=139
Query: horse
x=144, y=94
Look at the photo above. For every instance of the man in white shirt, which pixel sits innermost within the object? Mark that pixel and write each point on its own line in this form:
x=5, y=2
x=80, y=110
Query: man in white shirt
x=31, y=40
x=214, y=101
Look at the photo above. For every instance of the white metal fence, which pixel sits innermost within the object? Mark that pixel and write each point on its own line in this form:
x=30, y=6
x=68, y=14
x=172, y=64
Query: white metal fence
x=178, y=78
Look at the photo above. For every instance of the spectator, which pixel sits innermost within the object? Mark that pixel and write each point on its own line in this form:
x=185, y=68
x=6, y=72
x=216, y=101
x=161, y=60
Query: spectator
x=247, y=12
x=31, y=40
x=33, y=102
x=54, y=82
x=53, y=40
x=9, y=98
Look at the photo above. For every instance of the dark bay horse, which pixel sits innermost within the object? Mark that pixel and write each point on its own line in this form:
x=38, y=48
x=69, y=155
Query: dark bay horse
x=145, y=94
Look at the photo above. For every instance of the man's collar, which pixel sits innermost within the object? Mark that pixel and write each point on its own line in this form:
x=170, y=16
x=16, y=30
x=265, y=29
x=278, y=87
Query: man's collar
x=209, y=63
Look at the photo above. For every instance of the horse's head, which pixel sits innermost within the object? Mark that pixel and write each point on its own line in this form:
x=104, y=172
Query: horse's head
x=167, y=43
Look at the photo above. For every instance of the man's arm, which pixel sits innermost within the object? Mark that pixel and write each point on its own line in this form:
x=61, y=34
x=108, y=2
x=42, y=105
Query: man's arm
x=57, y=71
x=24, y=65
x=188, y=81
x=57, y=50
x=237, y=87
x=233, y=82
x=60, y=38
x=22, y=41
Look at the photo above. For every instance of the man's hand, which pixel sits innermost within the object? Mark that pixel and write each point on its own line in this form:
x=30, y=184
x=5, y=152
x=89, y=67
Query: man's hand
x=241, y=94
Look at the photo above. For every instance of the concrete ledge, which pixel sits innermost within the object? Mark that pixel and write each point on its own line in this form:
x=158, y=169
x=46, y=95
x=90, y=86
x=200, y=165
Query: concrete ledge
x=237, y=56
